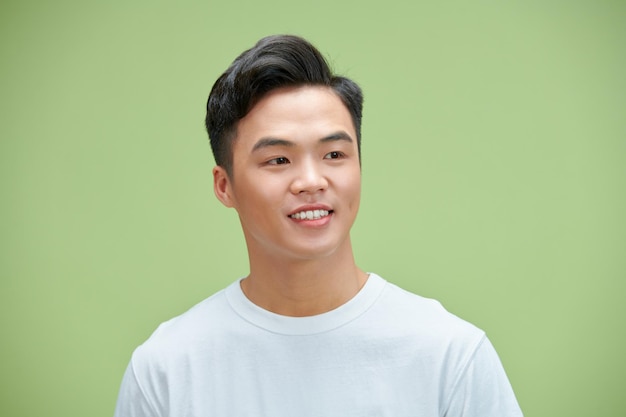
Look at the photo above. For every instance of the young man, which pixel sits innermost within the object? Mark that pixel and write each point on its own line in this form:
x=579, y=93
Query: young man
x=306, y=332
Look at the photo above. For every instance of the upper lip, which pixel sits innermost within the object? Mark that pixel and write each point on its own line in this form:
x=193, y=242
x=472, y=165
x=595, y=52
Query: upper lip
x=310, y=207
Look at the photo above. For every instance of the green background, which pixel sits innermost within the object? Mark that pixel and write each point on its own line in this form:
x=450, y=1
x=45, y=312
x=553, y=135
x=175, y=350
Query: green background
x=494, y=163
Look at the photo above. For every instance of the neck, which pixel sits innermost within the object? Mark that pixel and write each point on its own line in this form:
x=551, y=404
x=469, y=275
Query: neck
x=301, y=288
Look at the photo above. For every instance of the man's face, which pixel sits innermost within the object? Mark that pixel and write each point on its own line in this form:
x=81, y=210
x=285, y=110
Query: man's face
x=296, y=178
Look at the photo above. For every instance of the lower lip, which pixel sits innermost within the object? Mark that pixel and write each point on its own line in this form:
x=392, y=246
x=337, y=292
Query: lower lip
x=322, y=221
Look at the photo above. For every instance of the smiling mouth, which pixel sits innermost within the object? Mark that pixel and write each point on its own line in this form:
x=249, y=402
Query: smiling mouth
x=310, y=214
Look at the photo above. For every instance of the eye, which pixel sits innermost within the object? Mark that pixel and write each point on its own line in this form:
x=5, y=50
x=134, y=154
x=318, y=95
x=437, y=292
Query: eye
x=334, y=155
x=281, y=160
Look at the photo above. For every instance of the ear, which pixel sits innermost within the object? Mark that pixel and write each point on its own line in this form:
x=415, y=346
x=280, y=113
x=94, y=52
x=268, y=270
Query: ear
x=222, y=186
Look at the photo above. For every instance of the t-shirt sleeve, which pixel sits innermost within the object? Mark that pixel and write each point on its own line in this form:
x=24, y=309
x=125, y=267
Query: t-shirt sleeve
x=483, y=389
x=131, y=401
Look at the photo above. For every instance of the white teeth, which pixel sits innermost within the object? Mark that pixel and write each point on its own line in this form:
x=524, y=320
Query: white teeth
x=309, y=215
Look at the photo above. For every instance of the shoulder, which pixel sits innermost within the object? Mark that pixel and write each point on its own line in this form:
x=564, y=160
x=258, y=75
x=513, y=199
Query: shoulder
x=453, y=352
x=415, y=309
x=182, y=334
x=425, y=323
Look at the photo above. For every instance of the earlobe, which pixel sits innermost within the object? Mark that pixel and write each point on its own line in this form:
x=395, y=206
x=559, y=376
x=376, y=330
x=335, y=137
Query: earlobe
x=222, y=186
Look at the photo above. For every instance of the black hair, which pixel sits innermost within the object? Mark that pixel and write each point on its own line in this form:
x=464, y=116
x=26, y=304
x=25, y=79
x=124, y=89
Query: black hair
x=274, y=62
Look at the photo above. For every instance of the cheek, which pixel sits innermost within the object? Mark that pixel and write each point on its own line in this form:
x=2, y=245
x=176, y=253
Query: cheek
x=350, y=187
x=351, y=179
x=259, y=195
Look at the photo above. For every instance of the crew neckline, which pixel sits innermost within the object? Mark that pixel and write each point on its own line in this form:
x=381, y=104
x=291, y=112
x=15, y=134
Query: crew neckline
x=308, y=325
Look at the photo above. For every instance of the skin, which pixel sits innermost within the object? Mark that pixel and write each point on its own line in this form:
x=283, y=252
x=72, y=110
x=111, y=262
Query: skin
x=296, y=150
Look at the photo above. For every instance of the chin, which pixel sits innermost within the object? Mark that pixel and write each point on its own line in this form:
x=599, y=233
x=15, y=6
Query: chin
x=318, y=250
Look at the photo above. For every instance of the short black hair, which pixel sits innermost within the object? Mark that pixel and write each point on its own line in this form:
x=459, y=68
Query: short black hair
x=275, y=61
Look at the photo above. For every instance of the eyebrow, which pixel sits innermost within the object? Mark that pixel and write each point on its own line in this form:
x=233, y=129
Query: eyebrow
x=341, y=135
x=270, y=141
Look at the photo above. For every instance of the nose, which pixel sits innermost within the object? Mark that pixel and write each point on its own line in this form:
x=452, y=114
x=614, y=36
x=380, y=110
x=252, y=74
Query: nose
x=310, y=178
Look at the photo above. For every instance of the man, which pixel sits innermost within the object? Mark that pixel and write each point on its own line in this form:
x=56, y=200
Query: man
x=306, y=332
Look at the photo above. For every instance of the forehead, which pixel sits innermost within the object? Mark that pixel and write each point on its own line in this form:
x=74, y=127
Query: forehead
x=295, y=114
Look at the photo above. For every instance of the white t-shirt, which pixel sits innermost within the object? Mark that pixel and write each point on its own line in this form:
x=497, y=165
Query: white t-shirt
x=386, y=352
